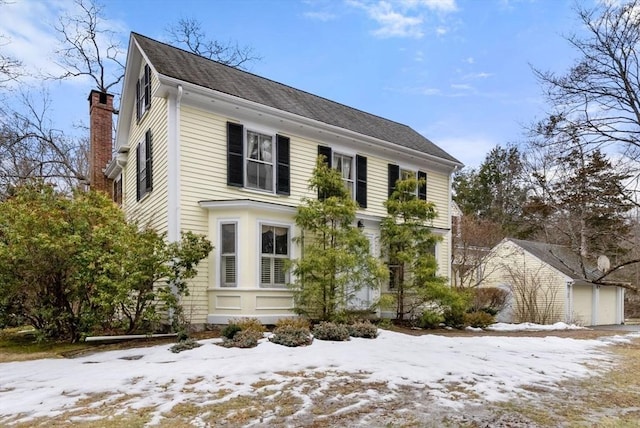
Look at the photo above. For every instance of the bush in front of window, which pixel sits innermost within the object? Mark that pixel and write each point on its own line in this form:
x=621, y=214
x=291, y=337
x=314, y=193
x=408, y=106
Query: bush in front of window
x=242, y=339
x=331, y=331
x=299, y=322
x=292, y=336
x=363, y=329
x=230, y=331
x=248, y=324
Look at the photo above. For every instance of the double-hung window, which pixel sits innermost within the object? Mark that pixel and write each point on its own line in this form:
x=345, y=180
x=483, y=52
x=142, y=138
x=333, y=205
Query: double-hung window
x=143, y=92
x=228, y=245
x=259, y=161
x=144, y=166
x=395, y=173
x=274, y=249
x=353, y=170
x=344, y=164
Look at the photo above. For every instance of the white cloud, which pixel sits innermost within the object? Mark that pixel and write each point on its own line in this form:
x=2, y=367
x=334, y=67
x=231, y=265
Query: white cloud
x=320, y=16
x=468, y=149
x=28, y=30
x=31, y=41
x=403, y=18
x=461, y=86
x=470, y=60
x=480, y=75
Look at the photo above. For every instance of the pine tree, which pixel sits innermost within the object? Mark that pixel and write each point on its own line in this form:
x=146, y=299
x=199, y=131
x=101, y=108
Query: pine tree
x=335, y=262
x=409, y=246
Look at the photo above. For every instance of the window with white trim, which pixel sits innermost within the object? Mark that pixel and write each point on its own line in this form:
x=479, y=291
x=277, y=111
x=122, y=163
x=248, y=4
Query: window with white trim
x=274, y=249
x=228, y=256
x=406, y=174
x=143, y=92
x=259, y=161
x=144, y=166
x=344, y=164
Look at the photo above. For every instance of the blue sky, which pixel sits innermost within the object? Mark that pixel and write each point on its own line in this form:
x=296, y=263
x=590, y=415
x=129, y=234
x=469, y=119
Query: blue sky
x=457, y=71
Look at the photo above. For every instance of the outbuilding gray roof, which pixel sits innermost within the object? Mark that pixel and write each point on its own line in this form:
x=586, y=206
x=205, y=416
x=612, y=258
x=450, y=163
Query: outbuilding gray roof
x=561, y=258
x=188, y=67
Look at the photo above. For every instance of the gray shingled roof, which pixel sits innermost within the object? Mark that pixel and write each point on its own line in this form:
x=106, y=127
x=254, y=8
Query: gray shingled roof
x=179, y=64
x=561, y=258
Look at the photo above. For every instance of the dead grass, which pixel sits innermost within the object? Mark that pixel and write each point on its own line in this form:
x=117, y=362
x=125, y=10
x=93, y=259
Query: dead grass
x=314, y=398
x=609, y=399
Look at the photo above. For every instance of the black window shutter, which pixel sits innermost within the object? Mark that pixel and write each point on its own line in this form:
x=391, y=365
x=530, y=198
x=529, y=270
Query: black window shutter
x=147, y=87
x=422, y=188
x=235, y=154
x=148, y=162
x=326, y=152
x=138, y=99
x=138, y=189
x=361, y=184
x=393, y=176
x=282, y=173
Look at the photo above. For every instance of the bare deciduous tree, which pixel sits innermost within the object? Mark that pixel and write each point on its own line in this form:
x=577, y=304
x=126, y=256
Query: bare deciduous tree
x=89, y=48
x=472, y=240
x=30, y=147
x=534, y=298
x=600, y=95
x=188, y=32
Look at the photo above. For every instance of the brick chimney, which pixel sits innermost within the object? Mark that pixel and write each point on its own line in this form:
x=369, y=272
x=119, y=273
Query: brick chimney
x=100, y=140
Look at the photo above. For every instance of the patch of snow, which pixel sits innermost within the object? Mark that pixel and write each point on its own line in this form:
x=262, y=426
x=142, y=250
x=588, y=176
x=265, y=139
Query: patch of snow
x=528, y=326
x=495, y=368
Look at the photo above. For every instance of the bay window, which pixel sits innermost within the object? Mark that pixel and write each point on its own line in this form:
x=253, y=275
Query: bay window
x=274, y=248
x=228, y=245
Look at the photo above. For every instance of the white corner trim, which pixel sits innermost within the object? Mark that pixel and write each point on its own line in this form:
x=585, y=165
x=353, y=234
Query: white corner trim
x=173, y=167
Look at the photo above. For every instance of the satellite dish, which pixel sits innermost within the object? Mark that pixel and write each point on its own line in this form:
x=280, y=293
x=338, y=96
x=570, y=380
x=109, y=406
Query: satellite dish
x=603, y=263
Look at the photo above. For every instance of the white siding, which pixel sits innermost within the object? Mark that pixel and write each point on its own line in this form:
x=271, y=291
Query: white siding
x=510, y=266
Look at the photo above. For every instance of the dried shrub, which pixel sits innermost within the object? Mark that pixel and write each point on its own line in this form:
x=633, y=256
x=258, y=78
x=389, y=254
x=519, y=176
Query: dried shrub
x=292, y=336
x=184, y=345
x=491, y=300
x=293, y=322
x=363, y=329
x=430, y=318
x=243, y=339
x=478, y=319
x=249, y=324
x=331, y=331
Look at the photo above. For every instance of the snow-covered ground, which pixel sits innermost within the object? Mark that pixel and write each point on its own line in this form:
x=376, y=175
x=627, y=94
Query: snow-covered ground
x=493, y=368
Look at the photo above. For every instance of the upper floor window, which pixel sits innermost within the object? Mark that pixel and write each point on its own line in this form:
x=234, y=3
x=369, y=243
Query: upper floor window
x=255, y=162
x=274, y=243
x=353, y=170
x=259, y=162
x=344, y=164
x=144, y=166
x=395, y=173
x=228, y=245
x=143, y=92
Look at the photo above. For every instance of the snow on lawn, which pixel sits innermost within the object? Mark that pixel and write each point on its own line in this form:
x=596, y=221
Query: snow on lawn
x=528, y=326
x=494, y=368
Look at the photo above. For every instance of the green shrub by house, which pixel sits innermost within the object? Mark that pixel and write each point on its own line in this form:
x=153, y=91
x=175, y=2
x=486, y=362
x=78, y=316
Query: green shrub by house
x=330, y=331
x=363, y=329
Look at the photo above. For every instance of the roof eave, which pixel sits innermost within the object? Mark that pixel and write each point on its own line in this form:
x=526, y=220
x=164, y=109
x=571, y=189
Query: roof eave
x=168, y=85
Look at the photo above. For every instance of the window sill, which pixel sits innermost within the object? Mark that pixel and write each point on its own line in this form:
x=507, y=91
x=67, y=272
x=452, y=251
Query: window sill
x=144, y=197
x=261, y=192
x=141, y=118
